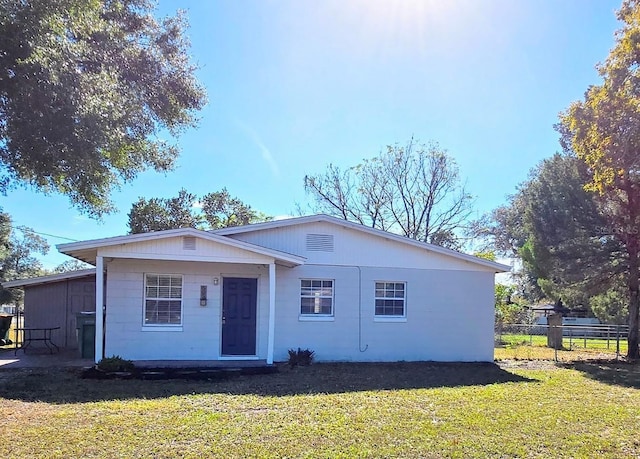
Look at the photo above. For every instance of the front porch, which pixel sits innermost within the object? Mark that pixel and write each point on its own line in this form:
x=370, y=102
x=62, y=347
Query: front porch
x=168, y=296
x=144, y=369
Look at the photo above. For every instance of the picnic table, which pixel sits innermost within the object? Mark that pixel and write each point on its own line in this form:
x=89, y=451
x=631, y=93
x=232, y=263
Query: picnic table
x=31, y=334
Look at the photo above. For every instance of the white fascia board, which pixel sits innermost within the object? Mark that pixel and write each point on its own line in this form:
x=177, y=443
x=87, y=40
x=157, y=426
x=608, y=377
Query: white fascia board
x=286, y=259
x=126, y=239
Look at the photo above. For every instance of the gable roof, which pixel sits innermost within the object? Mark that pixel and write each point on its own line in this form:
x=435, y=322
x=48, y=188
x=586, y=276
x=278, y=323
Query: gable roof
x=50, y=278
x=87, y=250
x=497, y=267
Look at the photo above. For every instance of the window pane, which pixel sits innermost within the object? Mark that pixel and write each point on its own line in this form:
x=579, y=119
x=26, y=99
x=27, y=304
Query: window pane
x=306, y=305
x=174, y=312
x=305, y=283
x=151, y=311
x=325, y=305
x=152, y=280
x=326, y=292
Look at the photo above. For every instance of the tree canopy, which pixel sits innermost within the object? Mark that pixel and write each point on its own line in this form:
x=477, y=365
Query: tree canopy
x=18, y=247
x=557, y=229
x=215, y=210
x=86, y=89
x=603, y=130
x=414, y=190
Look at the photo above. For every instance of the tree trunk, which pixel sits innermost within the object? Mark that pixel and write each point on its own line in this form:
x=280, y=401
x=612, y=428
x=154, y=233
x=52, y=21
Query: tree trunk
x=634, y=300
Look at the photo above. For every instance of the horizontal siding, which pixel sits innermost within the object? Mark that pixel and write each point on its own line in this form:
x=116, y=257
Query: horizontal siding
x=449, y=316
x=353, y=248
x=172, y=248
x=200, y=335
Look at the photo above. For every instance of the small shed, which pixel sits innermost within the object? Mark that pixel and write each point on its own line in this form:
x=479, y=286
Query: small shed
x=54, y=300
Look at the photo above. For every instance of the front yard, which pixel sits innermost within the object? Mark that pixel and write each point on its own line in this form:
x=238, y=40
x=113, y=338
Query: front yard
x=522, y=409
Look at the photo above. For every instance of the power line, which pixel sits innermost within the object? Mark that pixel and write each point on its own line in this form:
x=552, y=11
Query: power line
x=26, y=229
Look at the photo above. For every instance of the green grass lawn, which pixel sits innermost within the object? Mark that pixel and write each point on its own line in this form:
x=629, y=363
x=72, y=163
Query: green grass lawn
x=590, y=343
x=523, y=409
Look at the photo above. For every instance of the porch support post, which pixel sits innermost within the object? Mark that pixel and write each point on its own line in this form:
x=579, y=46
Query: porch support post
x=99, y=307
x=272, y=312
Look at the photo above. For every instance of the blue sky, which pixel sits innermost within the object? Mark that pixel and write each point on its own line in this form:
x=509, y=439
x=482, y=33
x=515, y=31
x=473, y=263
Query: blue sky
x=296, y=85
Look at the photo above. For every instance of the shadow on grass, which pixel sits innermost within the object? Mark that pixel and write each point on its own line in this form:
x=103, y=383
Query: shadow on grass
x=66, y=386
x=614, y=373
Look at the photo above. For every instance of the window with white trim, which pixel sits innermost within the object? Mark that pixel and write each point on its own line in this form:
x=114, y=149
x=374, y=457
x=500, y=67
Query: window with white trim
x=390, y=299
x=163, y=299
x=316, y=297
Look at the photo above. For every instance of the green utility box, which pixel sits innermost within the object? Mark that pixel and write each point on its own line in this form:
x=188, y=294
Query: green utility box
x=5, y=325
x=86, y=333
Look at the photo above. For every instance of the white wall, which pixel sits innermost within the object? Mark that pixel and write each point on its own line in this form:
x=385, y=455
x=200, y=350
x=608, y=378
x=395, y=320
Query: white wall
x=172, y=248
x=449, y=316
x=353, y=247
x=199, y=336
x=449, y=308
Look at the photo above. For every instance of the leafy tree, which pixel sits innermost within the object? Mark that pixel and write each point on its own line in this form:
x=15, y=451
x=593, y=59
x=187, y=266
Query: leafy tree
x=157, y=214
x=567, y=249
x=219, y=210
x=414, y=190
x=556, y=228
x=18, y=260
x=85, y=89
x=486, y=255
x=71, y=265
x=611, y=306
x=604, y=132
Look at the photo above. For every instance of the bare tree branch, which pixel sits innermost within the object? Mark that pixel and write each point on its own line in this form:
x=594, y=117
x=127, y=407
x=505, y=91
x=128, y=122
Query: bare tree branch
x=413, y=190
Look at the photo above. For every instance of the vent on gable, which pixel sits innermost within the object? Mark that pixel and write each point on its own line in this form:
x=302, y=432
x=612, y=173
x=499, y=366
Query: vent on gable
x=189, y=243
x=320, y=242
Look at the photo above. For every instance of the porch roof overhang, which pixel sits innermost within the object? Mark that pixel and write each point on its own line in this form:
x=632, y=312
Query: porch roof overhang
x=50, y=278
x=88, y=251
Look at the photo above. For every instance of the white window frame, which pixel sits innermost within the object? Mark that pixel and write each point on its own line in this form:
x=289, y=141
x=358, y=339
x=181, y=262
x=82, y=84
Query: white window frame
x=389, y=317
x=317, y=295
x=158, y=325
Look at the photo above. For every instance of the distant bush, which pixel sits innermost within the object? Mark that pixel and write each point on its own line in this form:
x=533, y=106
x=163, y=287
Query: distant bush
x=302, y=357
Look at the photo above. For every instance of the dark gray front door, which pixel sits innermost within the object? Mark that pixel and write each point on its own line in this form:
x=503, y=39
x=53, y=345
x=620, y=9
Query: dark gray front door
x=239, y=304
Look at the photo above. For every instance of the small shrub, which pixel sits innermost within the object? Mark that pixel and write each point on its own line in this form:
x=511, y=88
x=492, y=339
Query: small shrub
x=115, y=363
x=302, y=357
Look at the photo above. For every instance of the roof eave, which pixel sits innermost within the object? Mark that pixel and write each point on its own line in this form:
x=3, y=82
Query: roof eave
x=49, y=278
x=87, y=250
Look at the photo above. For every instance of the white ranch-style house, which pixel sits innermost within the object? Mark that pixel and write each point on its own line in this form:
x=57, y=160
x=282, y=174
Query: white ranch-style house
x=346, y=291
